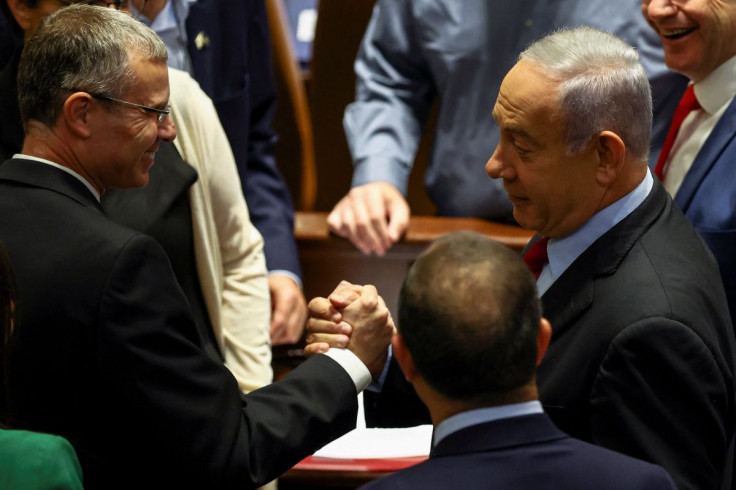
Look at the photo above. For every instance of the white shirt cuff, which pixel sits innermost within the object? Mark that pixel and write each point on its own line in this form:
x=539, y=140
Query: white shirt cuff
x=355, y=368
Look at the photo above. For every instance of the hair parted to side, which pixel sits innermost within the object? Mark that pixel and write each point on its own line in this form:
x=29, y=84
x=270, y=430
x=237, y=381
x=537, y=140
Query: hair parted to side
x=603, y=86
x=469, y=315
x=81, y=47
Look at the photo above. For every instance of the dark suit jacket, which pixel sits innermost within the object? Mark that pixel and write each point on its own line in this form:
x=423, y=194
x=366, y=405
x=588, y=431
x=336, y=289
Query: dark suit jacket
x=528, y=453
x=642, y=353
x=707, y=196
x=106, y=354
x=233, y=67
x=161, y=209
x=11, y=128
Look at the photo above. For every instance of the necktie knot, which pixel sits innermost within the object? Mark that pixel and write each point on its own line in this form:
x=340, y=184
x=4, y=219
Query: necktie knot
x=688, y=103
x=536, y=256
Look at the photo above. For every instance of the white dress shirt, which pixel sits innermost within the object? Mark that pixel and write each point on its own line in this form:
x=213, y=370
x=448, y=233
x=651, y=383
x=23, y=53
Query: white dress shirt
x=714, y=93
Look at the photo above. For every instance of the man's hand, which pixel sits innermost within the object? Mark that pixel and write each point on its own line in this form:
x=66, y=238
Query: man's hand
x=372, y=216
x=325, y=325
x=372, y=330
x=355, y=317
x=288, y=310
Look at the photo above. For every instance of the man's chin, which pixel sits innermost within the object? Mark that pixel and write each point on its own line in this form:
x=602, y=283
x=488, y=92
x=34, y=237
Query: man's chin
x=523, y=219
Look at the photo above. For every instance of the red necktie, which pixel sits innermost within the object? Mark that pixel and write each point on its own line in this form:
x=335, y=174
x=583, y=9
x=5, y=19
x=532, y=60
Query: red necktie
x=687, y=104
x=536, y=256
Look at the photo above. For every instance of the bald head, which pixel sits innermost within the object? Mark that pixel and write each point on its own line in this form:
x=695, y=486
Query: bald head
x=469, y=315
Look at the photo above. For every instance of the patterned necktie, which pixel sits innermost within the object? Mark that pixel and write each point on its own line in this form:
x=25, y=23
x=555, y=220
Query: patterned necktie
x=687, y=104
x=536, y=256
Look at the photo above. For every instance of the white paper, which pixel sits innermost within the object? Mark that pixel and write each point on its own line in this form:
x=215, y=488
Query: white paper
x=363, y=443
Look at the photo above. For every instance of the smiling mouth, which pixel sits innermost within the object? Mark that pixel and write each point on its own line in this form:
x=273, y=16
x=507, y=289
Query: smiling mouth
x=677, y=33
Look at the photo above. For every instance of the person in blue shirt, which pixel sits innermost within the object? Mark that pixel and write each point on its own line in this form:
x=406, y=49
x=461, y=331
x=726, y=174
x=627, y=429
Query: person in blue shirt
x=457, y=51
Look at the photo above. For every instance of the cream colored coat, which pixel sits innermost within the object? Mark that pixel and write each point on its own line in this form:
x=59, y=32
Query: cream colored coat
x=228, y=248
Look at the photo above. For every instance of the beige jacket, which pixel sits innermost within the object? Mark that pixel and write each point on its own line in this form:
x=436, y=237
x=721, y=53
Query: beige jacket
x=228, y=248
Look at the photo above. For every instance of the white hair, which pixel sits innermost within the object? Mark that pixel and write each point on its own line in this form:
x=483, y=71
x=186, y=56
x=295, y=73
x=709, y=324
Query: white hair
x=602, y=86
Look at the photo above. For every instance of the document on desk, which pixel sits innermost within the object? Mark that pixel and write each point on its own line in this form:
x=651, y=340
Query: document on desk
x=365, y=443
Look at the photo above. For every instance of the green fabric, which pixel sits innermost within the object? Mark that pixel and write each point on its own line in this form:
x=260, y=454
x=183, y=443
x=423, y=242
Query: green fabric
x=35, y=461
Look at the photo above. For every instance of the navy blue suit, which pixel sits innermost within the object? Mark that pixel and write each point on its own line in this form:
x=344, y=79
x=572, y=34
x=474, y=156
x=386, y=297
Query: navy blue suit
x=233, y=66
x=526, y=452
x=707, y=196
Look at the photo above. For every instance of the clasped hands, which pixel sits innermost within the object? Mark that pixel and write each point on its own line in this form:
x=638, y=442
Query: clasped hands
x=353, y=317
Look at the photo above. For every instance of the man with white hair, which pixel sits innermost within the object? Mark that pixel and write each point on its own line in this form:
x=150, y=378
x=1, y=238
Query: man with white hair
x=641, y=358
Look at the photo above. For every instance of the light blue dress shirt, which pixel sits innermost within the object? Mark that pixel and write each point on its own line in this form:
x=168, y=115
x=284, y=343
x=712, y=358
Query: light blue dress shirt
x=170, y=25
x=563, y=252
x=483, y=415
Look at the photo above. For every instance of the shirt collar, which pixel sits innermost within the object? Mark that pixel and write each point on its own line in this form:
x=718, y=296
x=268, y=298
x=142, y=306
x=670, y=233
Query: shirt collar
x=718, y=88
x=562, y=252
x=482, y=415
x=65, y=169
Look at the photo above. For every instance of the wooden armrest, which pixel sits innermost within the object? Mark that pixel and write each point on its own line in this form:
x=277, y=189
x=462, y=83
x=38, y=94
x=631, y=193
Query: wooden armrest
x=309, y=227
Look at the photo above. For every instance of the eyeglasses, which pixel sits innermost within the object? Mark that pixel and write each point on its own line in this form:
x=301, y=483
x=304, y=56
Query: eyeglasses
x=160, y=113
x=116, y=4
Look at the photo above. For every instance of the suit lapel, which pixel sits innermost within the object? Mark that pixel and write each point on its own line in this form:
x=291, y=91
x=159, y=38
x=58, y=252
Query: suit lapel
x=719, y=138
x=499, y=434
x=574, y=291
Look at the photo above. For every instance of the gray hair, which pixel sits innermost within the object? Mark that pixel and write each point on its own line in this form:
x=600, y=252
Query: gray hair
x=602, y=86
x=86, y=48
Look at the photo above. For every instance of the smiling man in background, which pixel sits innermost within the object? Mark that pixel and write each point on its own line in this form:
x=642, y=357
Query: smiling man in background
x=697, y=168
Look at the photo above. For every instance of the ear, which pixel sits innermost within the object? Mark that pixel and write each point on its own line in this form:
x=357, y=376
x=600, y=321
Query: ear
x=404, y=358
x=611, y=156
x=544, y=334
x=76, y=113
x=22, y=14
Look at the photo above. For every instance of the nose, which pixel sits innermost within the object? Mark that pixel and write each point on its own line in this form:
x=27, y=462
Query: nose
x=497, y=169
x=657, y=9
x=167, y=129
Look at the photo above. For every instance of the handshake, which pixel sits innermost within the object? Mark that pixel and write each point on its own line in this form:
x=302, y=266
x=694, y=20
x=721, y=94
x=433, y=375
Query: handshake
x=353, y=317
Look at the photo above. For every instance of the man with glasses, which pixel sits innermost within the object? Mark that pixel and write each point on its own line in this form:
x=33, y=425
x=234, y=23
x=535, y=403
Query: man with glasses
x=193, y=206
x=105, y=351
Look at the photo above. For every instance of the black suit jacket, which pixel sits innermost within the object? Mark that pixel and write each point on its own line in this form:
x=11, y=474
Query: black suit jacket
x=642, y=353
x=161, y=209
x=231, y=59
x=106, y=354
x=526, y=452
x=11, y=128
